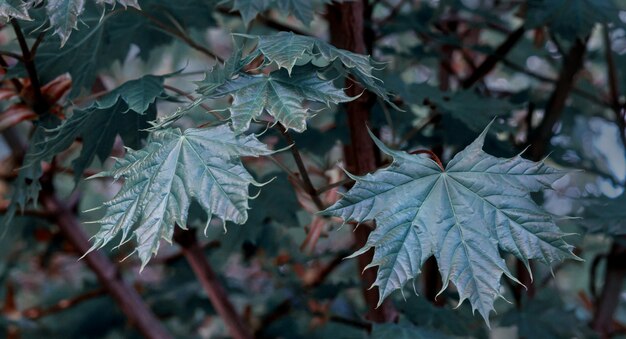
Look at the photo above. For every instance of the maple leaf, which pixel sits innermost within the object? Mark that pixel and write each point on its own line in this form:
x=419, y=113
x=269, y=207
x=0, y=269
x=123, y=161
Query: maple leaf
x=303, y=10
x=162, y=179
x=463, y=215
x=280, y=94
x=64, y=14
x=14, y=9
x=124, y=111
x=286, y=49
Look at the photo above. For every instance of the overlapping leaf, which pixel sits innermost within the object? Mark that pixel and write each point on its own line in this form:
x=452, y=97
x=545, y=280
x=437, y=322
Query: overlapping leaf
x=104, y=39
x=463, y=215
x=64, y=14
x=280, y=94
x=27, y=186
x=14, y=9
x=287, y=49
x=175, y=168
x=124, y=111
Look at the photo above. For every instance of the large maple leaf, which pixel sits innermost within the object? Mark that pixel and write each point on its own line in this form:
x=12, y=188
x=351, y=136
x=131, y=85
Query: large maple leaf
x=463, y=215
x=162, y=179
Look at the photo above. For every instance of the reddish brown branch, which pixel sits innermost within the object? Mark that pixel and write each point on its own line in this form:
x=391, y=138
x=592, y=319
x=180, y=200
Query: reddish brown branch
x=209, y=281
x=125, y=296
x=347, y=24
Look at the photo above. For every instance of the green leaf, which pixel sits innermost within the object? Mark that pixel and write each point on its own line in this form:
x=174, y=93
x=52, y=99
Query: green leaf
x=546, y=316
x=466, y=106
x=124, y=111
x=162, y=179
x=571, y=19
x=107, y=38
x=27, y=186
x=287, y=49
x=604, y=215
x=249, y=9
x=280, y=94
x=303, y=10
x=138, y=94
x=14, y=9
x=462, y=215
x=125, y=3
x=63, y=16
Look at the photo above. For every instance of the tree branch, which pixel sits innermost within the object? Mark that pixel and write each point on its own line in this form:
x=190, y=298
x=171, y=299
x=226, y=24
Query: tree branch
x=613, y=281
x=40, y=106
x=125, y=296
x=348, y=31
x=490, y=62
x=540, y=137
x=209, y=281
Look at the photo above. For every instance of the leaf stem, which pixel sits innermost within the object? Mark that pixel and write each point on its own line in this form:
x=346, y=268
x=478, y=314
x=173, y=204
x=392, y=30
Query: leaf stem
x=432, y=156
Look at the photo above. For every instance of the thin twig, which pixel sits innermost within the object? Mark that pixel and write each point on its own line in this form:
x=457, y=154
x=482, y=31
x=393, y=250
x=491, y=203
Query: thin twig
x=306, y=180
x=179, y=34
x=191, y=98
x=40, y=312
x=38, y=41
x=488, y=64
x=395, y=10
x=40, y=106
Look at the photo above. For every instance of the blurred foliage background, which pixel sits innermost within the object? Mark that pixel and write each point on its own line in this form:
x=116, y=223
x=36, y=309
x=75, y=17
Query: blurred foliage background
x=452, y=65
